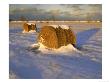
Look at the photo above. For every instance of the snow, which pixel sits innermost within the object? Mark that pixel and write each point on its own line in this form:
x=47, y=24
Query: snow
x=62, y=26
x=62, y=49
x=35, y=45
x=31, y=31
x=29, y=23
x=28, y=60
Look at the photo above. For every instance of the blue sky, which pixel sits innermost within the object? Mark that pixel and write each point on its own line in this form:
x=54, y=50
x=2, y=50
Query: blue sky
x=59, y=11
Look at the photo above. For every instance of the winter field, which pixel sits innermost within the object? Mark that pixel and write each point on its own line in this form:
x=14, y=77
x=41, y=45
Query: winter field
x=85, y=62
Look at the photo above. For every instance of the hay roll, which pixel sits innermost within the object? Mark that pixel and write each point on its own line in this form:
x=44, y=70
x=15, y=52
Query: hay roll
x=29, y=26
x=56, y=37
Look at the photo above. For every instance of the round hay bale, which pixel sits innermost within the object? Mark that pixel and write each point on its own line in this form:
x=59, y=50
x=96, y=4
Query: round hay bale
x=25, y=27
x=48, y=37
x=56, y=37
x=29, y=26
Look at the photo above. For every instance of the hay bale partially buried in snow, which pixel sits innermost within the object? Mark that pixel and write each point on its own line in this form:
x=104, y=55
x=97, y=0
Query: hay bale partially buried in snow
x=27, y=27
x=55, y=36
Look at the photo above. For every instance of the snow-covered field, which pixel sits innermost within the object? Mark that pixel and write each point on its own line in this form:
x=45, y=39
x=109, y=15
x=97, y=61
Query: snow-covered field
x=28, y=63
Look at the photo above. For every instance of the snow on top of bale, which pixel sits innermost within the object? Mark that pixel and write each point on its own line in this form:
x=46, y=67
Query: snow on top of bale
x=62, y=26
x=30, y=23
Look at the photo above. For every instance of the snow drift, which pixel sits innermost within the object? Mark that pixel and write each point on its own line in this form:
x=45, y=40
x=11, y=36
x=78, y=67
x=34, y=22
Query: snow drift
x=63, y=49
x=31, y=31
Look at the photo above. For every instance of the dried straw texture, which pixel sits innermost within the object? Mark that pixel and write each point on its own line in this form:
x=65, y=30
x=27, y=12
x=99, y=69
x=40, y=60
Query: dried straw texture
x=56, y=37
x=28, y=27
